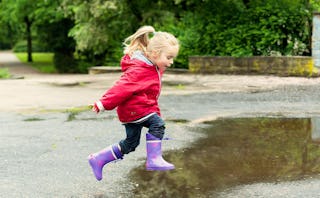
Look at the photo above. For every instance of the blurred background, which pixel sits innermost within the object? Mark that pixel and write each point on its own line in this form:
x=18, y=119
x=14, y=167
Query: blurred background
x=68, y=36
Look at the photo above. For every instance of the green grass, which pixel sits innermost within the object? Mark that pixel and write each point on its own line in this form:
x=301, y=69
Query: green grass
x=4, y=73
x=41, y=61
x=33, y=119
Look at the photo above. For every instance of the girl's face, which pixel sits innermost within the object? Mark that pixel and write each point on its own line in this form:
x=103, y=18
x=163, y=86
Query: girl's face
x=165, y=58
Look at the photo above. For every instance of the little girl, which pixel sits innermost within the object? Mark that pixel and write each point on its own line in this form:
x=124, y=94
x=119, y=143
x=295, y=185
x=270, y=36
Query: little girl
x=135, y=95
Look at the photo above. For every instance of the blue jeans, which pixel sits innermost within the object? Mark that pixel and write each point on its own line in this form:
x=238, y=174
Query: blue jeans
x=156, y=128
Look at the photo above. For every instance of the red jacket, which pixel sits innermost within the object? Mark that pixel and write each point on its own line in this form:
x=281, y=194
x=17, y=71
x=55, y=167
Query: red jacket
x=137, y=91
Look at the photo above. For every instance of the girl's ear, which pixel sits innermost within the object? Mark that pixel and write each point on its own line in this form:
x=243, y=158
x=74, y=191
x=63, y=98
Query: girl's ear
x=155, y=54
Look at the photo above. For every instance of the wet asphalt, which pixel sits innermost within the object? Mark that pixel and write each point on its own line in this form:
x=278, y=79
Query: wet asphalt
x=44, y=154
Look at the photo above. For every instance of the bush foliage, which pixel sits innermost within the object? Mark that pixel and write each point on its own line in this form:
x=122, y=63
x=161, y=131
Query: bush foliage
x=94, y=30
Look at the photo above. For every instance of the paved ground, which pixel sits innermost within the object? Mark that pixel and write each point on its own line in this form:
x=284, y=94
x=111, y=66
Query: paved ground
x=37, y=91
x=44, y=152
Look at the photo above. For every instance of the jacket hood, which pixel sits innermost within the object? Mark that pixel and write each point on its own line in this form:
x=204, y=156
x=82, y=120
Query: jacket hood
x=127, y=62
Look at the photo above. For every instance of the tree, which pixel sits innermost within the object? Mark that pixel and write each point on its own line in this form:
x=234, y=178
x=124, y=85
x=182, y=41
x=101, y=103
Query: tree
x=52, y=28
x=95, y=29
x=20, y=12
x=314, y=4
x=98, y=27
x=246, y=28
x=101, y=26
x=9, y=33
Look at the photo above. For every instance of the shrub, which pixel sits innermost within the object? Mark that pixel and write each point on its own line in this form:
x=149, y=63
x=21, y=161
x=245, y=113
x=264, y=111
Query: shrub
x=21, y=46
x=65, y=63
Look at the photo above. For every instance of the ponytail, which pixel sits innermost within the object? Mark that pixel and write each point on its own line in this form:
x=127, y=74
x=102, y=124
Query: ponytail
x=138, y=41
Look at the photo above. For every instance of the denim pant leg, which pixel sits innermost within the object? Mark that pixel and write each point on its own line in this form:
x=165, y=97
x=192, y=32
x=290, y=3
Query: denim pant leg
x=156, y=126
x=132, y=140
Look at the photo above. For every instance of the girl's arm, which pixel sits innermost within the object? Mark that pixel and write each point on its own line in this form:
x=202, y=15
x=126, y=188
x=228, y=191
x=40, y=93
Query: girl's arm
x=123, y=89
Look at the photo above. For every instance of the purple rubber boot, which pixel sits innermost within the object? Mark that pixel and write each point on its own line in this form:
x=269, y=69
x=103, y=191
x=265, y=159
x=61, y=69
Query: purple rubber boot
x=99, y=159
x=154, y=155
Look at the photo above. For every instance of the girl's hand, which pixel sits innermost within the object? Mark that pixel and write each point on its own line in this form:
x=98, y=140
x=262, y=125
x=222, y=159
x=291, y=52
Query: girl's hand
x=95, y=108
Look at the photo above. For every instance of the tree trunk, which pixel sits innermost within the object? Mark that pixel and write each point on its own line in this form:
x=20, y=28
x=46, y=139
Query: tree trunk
x=310, y=28
x=29, y=39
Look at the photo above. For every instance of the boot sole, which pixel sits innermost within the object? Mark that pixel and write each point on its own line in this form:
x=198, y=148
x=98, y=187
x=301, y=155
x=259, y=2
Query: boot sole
x=159, y=168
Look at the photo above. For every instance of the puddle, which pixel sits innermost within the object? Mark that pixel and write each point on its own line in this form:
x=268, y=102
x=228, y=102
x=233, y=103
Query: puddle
x=237, y=151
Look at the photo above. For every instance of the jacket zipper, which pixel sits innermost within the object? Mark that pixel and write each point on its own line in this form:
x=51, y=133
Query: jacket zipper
x=160, y=84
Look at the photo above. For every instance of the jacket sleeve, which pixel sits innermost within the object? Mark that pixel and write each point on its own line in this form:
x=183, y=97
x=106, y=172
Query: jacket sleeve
x=122, y=90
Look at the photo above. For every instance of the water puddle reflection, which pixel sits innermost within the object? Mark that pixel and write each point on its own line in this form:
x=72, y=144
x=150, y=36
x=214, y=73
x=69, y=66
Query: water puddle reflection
x=237, y=151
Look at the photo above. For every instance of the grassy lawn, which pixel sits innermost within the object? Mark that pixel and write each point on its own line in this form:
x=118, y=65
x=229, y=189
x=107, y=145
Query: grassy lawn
x=4, y=73
x=41, y=61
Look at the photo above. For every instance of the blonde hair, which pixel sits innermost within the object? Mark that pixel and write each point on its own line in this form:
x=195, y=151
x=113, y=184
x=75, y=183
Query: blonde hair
x=141, y=40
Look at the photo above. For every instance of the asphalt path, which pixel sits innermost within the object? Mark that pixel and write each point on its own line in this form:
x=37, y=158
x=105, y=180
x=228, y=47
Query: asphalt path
x=44, y=143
